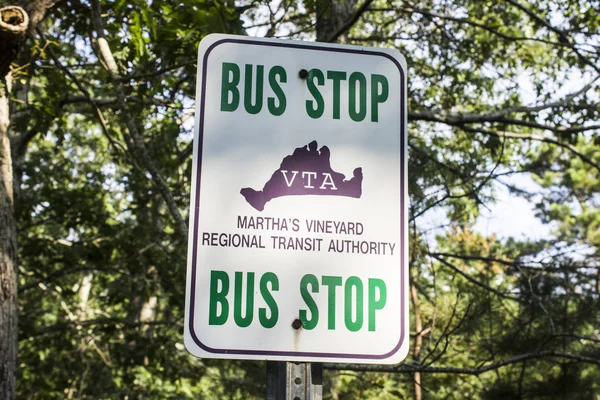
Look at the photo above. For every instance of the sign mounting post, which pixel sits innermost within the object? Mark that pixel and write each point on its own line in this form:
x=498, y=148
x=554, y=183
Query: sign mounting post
x=298, y=219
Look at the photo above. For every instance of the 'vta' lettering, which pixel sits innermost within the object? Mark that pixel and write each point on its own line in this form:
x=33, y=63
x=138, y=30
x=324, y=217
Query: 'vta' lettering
x=309, y=179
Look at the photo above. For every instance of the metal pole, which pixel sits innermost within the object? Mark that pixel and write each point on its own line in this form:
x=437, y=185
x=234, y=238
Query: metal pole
x=294, y=381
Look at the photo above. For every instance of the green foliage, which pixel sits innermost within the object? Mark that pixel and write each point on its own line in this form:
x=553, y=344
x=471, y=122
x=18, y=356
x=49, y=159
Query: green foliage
x=494, y=92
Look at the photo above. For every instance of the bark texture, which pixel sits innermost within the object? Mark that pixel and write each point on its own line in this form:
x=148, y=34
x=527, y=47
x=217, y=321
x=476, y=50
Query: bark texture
x=333, y=17
x=13, y=25
x=8, y=259
x=16, y=23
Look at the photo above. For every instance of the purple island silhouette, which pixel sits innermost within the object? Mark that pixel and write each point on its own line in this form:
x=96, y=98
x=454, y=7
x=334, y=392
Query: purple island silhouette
x=306, y=172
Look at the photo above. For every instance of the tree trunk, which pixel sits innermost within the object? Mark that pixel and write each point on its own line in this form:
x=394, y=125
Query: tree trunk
x=15, y=23
x=8, y=256
x=418, y=340
x=333, y=17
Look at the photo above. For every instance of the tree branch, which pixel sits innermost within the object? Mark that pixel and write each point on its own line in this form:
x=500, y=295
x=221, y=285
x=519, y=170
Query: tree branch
x=461, y=119
x=104, y=322
x=86, y=96
x=14, y=22
x=473, y=280
x=51, y=277
x=135, y=143
x=348, y=24
x=562, y=36
x=107, y=101
x=530, y=136
x=415, y=367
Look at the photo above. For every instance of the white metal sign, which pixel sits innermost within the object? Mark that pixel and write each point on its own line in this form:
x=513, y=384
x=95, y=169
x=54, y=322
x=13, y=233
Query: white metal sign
x=298, y=220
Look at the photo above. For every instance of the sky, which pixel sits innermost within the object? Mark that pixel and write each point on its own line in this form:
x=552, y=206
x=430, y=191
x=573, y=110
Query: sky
x=512, y=216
